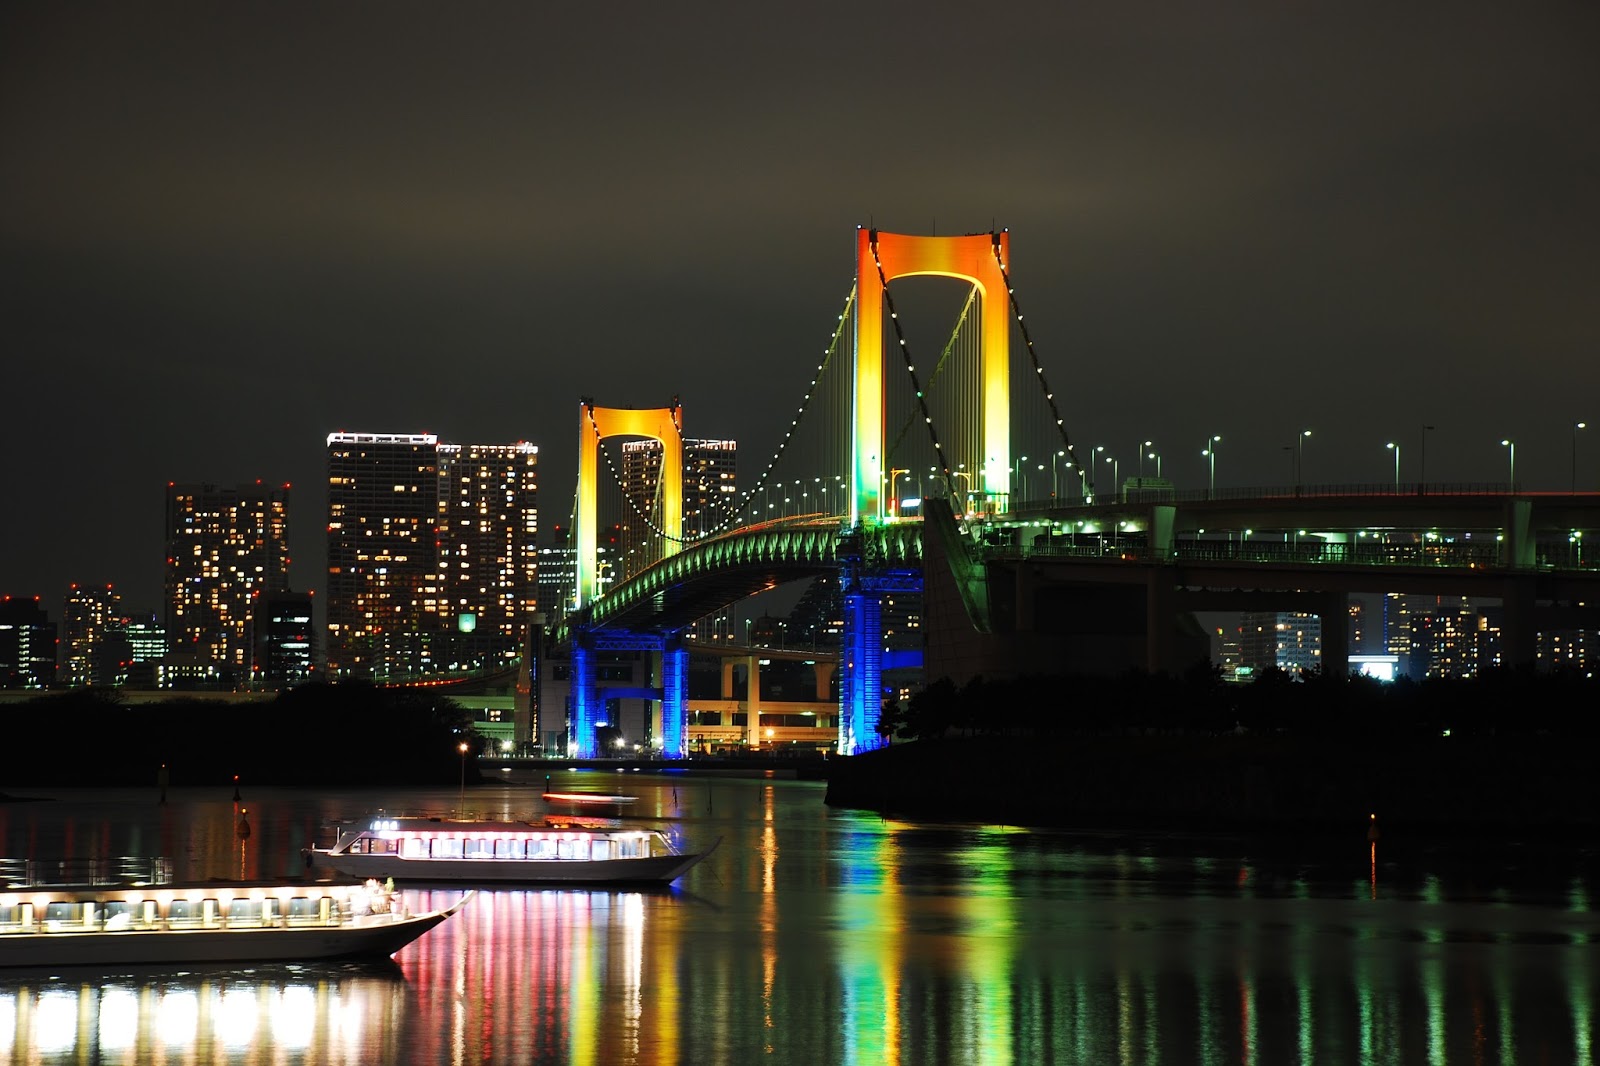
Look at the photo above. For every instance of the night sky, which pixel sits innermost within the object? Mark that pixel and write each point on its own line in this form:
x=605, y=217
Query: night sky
x=228, y=229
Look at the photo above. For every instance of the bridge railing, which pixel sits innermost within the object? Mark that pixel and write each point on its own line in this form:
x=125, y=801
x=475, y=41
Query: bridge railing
x=1470, y=556
x=1031, y=505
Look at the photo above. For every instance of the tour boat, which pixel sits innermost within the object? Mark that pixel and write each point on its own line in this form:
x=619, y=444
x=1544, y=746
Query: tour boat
x=43, y=924
x=438, y=849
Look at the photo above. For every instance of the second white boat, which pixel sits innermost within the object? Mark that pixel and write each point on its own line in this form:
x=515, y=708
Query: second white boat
x=463, y=850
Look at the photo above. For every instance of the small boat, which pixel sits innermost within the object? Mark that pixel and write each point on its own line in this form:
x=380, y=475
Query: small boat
x=44, y=923
x=439, y=849
x=587, y=804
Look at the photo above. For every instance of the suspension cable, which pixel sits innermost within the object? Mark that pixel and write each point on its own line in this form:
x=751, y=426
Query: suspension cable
x=1038, y=369
x=794, y=424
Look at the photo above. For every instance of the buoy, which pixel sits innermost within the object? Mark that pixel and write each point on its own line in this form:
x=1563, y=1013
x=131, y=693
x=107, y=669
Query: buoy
x=242, y=829
x=1372, y=828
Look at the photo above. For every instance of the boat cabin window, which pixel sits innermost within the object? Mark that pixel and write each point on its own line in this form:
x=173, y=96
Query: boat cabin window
x=447, y=848
x=474, y=848
x=10, y=917
x=509, y=849
x=414, y=848
x=375, y=846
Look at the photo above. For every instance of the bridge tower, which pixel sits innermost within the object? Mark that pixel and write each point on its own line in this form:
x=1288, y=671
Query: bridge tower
x=980, y=259
x=664, y=424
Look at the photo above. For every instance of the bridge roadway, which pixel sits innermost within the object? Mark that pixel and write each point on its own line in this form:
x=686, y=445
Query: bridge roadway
x=1279, y=549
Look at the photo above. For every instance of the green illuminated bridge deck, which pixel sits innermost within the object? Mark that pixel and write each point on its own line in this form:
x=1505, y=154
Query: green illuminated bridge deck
x=1461, y=538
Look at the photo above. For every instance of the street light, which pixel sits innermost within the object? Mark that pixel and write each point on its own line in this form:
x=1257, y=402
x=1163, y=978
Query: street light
x=1156, y=456
x=461, y=799
x=1055, y=485
x=1211, y=450
x=1142, y=447
x=894, y=494
x=1116, y=476
x=1300, y=457
x=1019, y=490
x=1396, y=448
x=1513, y=446
x=1575, y=427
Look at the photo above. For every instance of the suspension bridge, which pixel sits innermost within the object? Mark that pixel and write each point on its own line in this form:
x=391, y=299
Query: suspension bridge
x=1020, y=562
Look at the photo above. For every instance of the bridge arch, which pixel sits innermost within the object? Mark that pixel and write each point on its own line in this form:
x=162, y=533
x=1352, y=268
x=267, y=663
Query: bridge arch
x=975, y=257
x=664, y=424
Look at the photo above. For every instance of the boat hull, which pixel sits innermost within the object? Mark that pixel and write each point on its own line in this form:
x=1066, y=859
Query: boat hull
x=651, y=869
x=375, y=937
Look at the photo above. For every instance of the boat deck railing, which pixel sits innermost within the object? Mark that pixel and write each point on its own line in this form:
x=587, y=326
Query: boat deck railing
x=81, y=872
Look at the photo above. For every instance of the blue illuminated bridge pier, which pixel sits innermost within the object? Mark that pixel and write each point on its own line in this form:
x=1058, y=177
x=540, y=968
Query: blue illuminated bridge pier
x=911, y=475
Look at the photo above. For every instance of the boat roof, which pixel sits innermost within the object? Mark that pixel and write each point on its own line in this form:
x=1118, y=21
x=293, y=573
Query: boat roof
x=416, y=823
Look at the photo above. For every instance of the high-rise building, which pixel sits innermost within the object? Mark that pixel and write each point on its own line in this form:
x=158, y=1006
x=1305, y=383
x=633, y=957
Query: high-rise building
x=28, y=644
x=1287, y=640
x=90, y=615
x=225, y=546
x=489, y=502
x=285, y=644
x=710, y=469
x=432, y=564
x=383, y=552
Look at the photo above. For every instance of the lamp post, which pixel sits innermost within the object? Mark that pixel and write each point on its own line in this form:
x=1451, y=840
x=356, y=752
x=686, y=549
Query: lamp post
x=461, y=798
x=1300, y=458
x=1019, y=490
x=1156, y=456
x=1211, y=450
x=1055, y=485
x=1422, y=461
x=1116, y=476
x=1396, y=449
x=1513, y=446
x=1575, y=427
x=1098, y=449
x=894, y=494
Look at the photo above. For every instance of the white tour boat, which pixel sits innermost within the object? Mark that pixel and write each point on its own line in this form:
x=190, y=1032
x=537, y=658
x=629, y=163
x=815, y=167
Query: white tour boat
x=438, y=849
x=46, y=923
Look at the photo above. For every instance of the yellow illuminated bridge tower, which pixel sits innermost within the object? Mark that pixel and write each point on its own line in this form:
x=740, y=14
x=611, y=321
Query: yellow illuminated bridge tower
x=981, y=259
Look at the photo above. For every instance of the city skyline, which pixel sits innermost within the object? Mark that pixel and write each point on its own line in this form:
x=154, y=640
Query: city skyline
x=223, y=241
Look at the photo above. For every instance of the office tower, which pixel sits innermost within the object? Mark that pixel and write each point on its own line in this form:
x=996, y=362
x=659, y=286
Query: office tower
x=1442, y=637
x=284, y=645
x=225, y=547
x=488, y=542
x=28, y=642
x=710, y=469
x=432, y=566
x=136, y=646
x=1287, y=640
x=89, y=616
x=383, y=558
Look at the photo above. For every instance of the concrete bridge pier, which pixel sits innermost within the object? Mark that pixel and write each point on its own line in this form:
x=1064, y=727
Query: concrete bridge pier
x=1519, y=631
x=1334, y=613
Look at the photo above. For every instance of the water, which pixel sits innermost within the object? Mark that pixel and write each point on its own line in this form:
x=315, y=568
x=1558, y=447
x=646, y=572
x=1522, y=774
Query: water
x=823, y=937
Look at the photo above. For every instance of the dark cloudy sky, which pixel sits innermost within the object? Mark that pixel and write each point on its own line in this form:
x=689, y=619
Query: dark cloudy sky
x=229, y=229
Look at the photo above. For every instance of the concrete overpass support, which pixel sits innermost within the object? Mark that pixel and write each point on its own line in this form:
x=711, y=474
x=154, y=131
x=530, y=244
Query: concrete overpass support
x=725, y=690
x=1519, y=633
x=1163, y=520
x=752, y=701
x=1334, y=611
x=1518, y=549
x=824, y=674
x=1161, y=620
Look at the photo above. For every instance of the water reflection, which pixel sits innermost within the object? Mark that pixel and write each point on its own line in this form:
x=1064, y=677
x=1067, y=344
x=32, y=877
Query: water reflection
x=339, y=1014
x=821, y=937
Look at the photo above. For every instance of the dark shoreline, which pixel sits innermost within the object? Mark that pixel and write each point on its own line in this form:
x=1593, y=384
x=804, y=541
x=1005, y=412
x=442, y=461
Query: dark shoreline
x=1444, y=789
